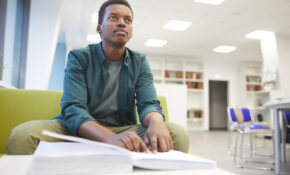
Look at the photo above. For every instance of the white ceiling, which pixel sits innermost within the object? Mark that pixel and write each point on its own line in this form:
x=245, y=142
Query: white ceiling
x=226, y=24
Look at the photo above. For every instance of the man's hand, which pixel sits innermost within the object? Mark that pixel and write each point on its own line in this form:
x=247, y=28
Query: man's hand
x=157, y=136
x=128, y=140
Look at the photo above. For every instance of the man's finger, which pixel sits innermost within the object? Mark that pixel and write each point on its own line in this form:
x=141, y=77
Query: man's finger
x=127, y=142
x=169, y=147
x=135, y=140
x=153, y=143
x=162, y=144
x=146, y=140
x=143, y=147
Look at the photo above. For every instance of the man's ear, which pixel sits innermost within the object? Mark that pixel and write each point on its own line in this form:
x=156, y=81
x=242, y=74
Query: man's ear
x=99, y=29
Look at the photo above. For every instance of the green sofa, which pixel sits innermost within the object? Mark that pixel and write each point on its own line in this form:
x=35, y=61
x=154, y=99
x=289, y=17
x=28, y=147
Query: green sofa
x=18, y=106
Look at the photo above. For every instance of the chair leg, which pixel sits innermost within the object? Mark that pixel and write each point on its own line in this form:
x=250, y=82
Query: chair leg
x=251, y=145
x=229, y=141
x=241, y=146
x=236, y=146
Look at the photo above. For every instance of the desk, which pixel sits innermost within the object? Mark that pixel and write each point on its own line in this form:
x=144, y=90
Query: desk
x=279, y=105
x=18, y=165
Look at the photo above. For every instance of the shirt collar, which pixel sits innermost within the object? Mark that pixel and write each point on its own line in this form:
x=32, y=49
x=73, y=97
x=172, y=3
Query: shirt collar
x=100, y=52
x=102, y=57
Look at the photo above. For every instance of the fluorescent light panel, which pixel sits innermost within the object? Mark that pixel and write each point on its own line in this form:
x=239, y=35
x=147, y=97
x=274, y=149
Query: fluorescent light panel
x=93, y=38
x=224, y=49
x=155, y=43
x=259, y=34
x=95, y=17
x=211, y=2
x=177, y=25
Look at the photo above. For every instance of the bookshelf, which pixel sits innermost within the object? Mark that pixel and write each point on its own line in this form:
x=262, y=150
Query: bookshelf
x=255, y=95
x=186, y=72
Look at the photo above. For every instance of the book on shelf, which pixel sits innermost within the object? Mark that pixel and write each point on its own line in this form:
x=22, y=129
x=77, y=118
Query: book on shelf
x=193, y=76
x=194, y=114
x=167, y=75
x=200, y=85
x=197, y=76
x=254, y=88
x=248, y=88
x=258, y=88
x=179, y=75
x=258, y=102
x=83, y=156
x=254, y=78
x=194, y=85
x=198, y=114
x=188, y=75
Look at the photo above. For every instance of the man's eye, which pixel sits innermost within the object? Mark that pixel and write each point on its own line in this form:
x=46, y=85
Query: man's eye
x=112, y=18
x=128, y=20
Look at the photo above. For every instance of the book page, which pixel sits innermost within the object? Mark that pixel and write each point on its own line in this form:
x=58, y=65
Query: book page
x=171, y=160
x=82, y=140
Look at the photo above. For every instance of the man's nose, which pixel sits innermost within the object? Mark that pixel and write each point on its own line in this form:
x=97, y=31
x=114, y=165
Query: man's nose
x=121, y=22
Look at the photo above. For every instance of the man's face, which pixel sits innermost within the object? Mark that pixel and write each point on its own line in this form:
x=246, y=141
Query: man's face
x=116, y=28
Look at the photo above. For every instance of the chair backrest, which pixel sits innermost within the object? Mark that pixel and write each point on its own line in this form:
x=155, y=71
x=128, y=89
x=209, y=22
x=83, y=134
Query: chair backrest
x=231, y=114
x=287, y=116
x=239, y=114
x=247, y=114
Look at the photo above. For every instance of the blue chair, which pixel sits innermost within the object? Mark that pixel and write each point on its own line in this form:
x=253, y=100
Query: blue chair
x=233, y=125
x=248, y=122
x=247, y=126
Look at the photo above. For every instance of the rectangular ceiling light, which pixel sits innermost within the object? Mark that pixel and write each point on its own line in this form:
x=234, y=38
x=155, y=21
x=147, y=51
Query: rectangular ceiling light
x=259, y=34
x=155, y=43
x=93, y=38
x=224, y=49
x=211, y=2
x=177, y=25
x=95, y=17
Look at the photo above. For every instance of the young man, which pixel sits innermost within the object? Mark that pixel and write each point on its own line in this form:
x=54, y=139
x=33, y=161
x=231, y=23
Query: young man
x=98, y=101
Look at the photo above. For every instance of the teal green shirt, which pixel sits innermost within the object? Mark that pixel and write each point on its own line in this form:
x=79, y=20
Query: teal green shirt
x=85, y=78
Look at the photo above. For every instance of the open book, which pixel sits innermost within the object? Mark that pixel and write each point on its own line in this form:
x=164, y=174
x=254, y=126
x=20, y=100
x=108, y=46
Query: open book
x=82, y=156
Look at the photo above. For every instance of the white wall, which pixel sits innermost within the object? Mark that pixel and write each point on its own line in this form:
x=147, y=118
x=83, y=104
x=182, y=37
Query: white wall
x=176, y=97
x=43, y=32
x=283, y=44
x=223, y=70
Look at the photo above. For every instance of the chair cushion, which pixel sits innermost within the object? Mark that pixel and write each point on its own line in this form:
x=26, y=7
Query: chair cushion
x=257, y=126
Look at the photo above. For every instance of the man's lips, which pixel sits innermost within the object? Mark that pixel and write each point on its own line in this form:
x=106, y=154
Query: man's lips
x=121, y=32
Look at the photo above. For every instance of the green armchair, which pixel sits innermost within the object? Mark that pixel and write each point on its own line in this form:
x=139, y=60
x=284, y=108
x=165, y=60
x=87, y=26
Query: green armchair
x=18, y=106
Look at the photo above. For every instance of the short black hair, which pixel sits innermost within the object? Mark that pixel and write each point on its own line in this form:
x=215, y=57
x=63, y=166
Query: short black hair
x=110, y=2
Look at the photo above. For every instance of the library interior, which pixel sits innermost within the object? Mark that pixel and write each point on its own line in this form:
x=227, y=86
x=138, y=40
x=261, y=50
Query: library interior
x=219, y=67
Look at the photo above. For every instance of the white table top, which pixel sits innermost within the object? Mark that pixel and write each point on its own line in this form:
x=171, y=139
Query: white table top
x=18, y=165
x=278, y=102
